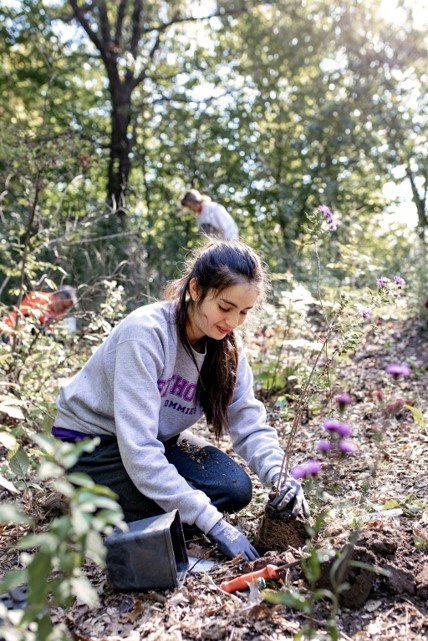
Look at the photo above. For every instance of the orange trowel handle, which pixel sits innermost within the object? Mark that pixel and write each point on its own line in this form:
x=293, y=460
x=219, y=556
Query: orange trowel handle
x=242, y=582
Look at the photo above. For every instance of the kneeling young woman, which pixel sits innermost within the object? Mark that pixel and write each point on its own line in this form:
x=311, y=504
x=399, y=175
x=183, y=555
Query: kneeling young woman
x=162, y=368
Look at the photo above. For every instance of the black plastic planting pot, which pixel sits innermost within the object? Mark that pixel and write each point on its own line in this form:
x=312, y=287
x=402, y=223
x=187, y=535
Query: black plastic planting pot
x=150, y=554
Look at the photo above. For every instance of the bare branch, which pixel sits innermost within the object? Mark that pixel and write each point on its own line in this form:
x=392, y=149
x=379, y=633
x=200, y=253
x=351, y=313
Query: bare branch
x=81, y=18
x=94, y=239
x=119, y=22
x=152, y=52
x=191, y=101
x=104, y=24
x=136, y=27
x=155, y=47
x=104, y=45
x=177, y=19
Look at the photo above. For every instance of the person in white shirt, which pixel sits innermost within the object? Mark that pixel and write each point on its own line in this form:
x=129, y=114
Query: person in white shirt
x=213, y=219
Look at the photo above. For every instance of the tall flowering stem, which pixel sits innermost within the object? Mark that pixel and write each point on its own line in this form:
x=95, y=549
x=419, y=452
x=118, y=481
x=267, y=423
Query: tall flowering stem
x=285, y=466
x=317, y=256
x=306, y=392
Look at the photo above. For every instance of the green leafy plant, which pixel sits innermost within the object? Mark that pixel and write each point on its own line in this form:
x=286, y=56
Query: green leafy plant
x=53, y=558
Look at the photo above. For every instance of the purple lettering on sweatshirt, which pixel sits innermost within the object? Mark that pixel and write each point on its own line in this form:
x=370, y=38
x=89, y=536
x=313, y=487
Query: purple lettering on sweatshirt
x=163, y=385
x=177, y=386
x=189, y=392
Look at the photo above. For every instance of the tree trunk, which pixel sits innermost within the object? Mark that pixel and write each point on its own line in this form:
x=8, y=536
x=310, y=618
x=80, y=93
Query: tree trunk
x=420, y=202
x=120, y=148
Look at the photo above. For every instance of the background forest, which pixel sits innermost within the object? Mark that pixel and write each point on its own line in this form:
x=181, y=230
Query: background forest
x=110, y=110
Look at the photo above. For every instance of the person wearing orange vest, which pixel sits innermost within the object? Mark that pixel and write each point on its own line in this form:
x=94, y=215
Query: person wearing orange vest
x=43, y=308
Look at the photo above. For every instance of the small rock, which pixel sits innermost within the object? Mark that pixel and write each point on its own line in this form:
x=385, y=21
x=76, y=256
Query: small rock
x=399, y=581
x=421, y=581
x=372, y=605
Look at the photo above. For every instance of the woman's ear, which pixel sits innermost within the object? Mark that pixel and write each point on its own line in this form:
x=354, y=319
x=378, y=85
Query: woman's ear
x=194, y=290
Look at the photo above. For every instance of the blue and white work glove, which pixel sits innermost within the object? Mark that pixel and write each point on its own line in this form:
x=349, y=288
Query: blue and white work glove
x=290, y=498
x=231, y=541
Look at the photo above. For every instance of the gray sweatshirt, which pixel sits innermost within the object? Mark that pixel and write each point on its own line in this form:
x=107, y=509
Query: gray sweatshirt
x=140, y=385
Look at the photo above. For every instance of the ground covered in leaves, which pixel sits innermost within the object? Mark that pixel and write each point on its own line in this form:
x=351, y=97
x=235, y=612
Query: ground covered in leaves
x=384, y=485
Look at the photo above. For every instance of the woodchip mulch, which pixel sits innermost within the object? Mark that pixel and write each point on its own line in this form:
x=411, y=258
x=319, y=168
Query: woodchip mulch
x=388, y=471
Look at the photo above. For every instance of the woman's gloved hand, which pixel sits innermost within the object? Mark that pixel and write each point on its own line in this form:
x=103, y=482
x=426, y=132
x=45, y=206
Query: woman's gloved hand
x=290, y=498
x=231, y=541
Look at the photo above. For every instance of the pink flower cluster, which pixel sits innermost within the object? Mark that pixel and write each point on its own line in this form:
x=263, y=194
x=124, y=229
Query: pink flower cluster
x=342, y=429
x=342, y=400
x=329, y=216
x=398, y=369
x=308, y=468
x=391, y=409
x=383, y=282
x=339, y=433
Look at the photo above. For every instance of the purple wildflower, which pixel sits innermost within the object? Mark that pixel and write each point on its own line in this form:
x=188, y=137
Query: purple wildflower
x=378, y=394
x=329, y=216
x=391, y=409
x=398, y=280
x=305, y=469
x=382, y=282
x=340, y=428
x=343, y=400
x=324, y=445
x=396, y=370
x=347, y=446
x=366, y=313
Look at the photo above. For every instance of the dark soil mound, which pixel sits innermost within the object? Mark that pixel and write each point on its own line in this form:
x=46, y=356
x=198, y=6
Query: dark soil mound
x=396, y=550
x=385, y=560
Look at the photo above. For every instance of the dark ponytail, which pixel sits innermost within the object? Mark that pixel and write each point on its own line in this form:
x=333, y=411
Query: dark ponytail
x=218, y=265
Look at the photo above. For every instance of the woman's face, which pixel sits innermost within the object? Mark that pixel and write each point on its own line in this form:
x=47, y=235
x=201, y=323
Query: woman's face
x=219, y=313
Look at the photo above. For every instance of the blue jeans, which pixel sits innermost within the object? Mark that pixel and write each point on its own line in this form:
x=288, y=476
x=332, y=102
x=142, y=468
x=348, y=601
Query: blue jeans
x=205, y=468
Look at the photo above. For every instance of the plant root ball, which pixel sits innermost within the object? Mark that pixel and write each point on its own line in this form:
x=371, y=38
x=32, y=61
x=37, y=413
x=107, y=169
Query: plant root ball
x=279, y=531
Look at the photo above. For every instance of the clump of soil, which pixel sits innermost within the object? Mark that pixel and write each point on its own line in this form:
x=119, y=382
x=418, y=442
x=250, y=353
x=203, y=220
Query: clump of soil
x=360, y=579
x=388, y=547
x=278, y=532
x=393, y=545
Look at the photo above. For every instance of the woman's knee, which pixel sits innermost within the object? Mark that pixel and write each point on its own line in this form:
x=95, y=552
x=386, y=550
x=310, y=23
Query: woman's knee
x=231, y=486
x=239, y=490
